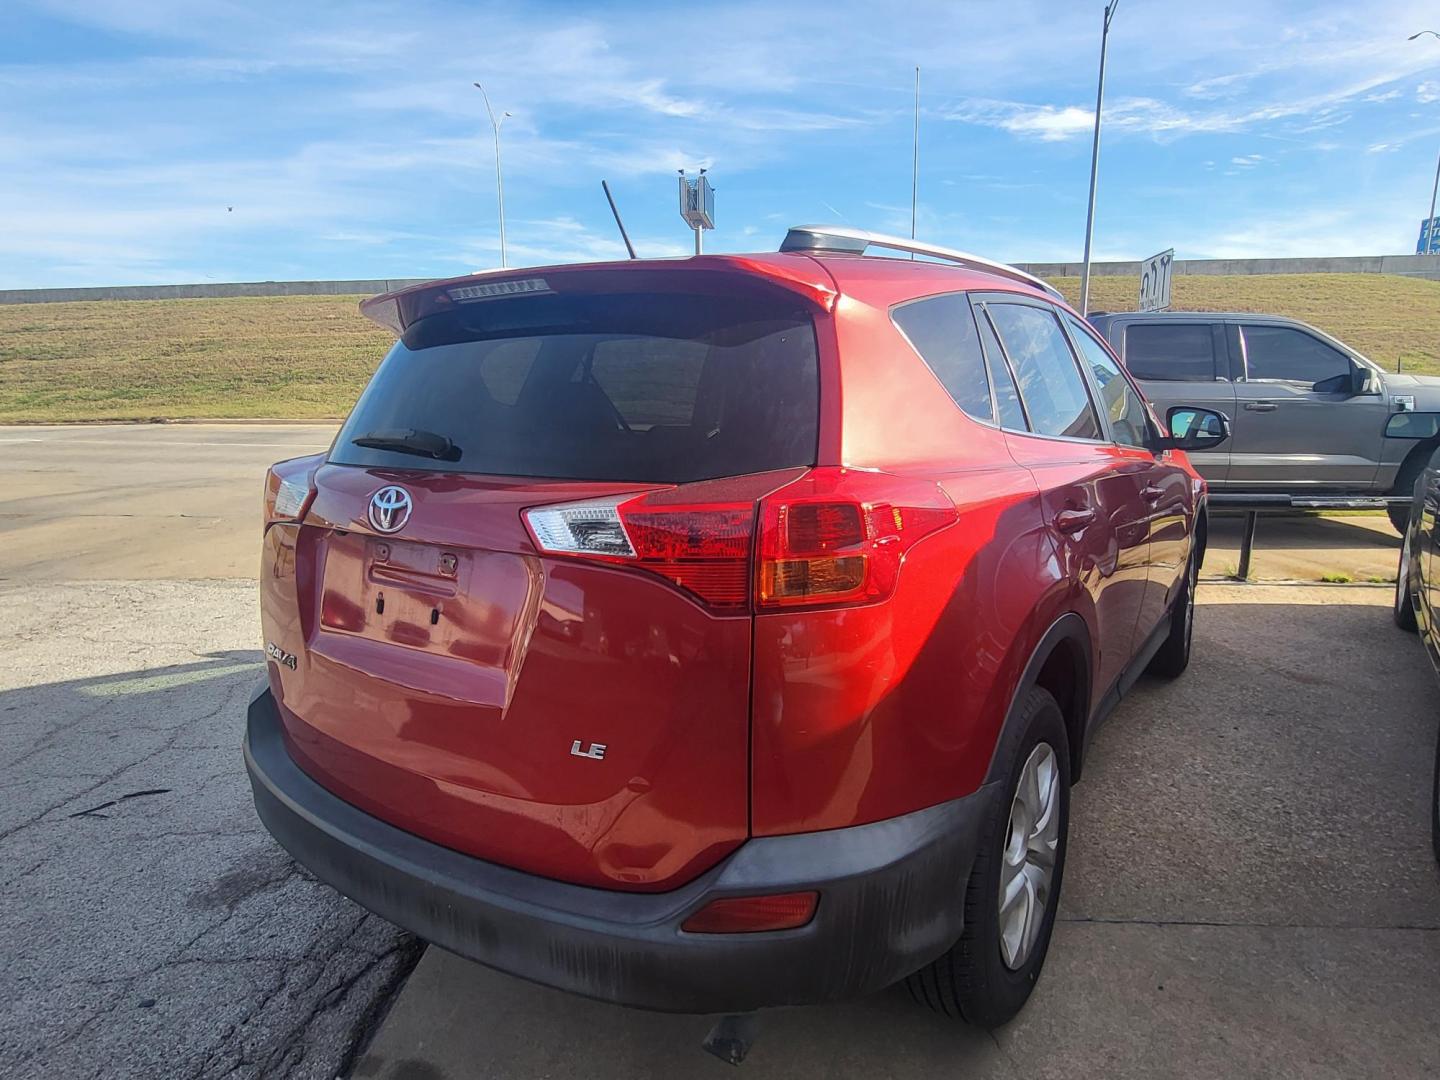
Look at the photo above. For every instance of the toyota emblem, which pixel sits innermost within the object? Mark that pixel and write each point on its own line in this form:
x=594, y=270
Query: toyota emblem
x=390, y=509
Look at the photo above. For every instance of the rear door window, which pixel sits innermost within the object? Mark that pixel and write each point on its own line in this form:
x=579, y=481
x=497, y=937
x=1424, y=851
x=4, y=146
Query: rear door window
x=1051, y=386
x=942, y=330
x=663, y=388
x=1171, y=352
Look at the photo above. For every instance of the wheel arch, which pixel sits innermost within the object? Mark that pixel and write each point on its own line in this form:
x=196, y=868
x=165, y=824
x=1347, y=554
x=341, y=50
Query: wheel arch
x=1412, y=464
x=1062, y=663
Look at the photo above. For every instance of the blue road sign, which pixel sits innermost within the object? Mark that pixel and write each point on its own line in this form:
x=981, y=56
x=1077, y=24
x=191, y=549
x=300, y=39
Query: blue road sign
x=1429, y=242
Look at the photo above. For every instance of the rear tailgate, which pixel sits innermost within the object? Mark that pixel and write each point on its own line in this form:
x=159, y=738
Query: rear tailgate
x=567, y=717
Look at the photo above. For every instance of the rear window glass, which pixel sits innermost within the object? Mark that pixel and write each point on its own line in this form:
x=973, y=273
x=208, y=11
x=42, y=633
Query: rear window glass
x=664, y=388
x=942, y=330
x=1171, y=352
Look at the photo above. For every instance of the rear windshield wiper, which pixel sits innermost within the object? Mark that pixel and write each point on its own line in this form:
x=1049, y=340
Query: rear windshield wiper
x=410, y=441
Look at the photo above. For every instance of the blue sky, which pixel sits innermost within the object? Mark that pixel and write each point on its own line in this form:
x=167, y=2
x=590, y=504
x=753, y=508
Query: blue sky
x=235, y=140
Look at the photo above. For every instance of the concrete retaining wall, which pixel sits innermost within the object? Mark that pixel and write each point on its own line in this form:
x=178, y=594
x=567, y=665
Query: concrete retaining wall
x=1421, y=266
x=206, y=291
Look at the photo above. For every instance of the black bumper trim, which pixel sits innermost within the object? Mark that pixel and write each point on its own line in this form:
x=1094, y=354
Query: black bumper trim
x=891, y=899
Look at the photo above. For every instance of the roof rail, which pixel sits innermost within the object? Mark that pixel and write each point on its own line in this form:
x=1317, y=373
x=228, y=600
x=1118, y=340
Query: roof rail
x=856, y=241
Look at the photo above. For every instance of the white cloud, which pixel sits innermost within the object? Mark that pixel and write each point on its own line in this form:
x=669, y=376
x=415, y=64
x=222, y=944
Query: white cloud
x=1427, y=92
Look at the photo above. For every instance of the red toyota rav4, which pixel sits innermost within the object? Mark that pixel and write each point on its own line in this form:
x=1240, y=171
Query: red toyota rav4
x=725, y=632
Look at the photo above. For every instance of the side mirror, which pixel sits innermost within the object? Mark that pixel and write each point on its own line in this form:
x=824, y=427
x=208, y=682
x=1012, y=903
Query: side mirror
x=1194, y=428
x=1365, y=380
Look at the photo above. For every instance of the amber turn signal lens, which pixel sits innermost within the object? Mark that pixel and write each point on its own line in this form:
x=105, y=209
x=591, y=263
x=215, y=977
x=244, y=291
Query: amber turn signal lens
x=753, y=914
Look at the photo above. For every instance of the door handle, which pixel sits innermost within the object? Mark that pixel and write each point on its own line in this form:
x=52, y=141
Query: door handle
x=1072, y=521
x=1260, y=406
x=1150, y=493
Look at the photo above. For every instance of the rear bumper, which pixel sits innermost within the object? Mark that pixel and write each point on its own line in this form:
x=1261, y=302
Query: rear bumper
x=891, y=900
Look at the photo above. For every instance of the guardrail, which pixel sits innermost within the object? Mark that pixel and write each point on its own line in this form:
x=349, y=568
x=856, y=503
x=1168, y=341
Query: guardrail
x=1255, y=505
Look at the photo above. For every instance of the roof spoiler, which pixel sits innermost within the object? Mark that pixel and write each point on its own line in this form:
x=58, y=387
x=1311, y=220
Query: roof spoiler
x=401, y=309
x=837, y=238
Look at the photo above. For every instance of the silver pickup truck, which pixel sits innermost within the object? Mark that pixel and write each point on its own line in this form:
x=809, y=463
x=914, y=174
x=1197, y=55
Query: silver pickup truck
x=1309, y=415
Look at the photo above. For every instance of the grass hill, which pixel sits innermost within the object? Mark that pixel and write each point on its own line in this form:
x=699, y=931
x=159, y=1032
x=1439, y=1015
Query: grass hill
x=306, y=357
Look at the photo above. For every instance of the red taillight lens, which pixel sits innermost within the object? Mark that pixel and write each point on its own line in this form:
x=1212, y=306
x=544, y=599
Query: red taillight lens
x=703, y=548
x=835, y=536
x=290, y=488
x=839, y=536
x=753, y=914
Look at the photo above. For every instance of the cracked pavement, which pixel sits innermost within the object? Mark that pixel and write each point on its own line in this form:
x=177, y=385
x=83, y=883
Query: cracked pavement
x=163, y=934
x=149, y=925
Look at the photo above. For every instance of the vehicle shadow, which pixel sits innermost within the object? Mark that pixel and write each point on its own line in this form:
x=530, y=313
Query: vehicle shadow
x=1308, y=531
x=148, y=922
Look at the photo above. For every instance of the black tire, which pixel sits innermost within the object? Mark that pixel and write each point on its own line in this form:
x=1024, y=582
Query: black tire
x=972, y=982
x=1405, y=479
x=1173, y=657
x=1403, y=610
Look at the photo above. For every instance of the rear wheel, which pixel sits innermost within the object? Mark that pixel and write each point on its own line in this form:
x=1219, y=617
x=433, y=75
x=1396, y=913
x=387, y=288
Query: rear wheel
x=1404, y=607
x=1173, y=657
x=1014, y=886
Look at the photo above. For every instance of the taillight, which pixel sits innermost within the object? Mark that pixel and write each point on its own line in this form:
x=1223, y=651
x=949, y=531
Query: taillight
x=703, y=548
x=839, y=536
x=290, y=488
x=835, y=536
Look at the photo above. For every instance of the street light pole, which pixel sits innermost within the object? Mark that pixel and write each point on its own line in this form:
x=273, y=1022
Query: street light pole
x=1095, y=161
x=499, y=175
x=1434, y=191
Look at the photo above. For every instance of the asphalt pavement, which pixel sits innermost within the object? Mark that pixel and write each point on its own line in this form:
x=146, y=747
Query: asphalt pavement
x=126, y=501
x=1250, y=892
x=150, y=927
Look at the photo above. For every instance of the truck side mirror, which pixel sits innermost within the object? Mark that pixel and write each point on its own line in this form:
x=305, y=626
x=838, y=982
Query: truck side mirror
x=1194, y=428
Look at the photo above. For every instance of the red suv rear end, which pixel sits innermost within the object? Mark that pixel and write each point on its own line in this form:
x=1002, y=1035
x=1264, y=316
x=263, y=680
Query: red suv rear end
x=720, y=633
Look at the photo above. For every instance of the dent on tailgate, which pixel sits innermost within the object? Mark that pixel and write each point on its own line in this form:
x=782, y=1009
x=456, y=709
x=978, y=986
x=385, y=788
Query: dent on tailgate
x=444, y=679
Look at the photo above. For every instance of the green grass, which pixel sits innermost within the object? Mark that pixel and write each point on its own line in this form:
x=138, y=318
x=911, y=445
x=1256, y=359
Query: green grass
x=1336, y=578
x=296, y=357
x=306, y=357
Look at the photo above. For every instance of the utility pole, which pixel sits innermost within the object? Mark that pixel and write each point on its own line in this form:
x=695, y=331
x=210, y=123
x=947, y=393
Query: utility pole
x=1095, y=161
x=915, y=159
x=1430, y=244
x=499, y=175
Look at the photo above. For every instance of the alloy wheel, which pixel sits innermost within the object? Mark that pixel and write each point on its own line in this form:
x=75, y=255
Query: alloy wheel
x=1028, y=869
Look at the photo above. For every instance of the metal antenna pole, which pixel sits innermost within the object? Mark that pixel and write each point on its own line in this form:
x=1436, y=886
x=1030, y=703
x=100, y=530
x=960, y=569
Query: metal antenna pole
x=915, y=159
x=618, y=223
x=499, y=175
x=1095, y=162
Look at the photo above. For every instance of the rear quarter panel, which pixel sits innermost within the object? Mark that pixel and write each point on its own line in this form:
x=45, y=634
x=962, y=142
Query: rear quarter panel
x=865, y=713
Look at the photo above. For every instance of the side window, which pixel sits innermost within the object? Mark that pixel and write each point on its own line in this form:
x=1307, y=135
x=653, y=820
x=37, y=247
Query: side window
x=1050, y=383
x=1007, y=394
x=1289, y=355
x=942, y=330
x=1171, y=352
x=1118, y=398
